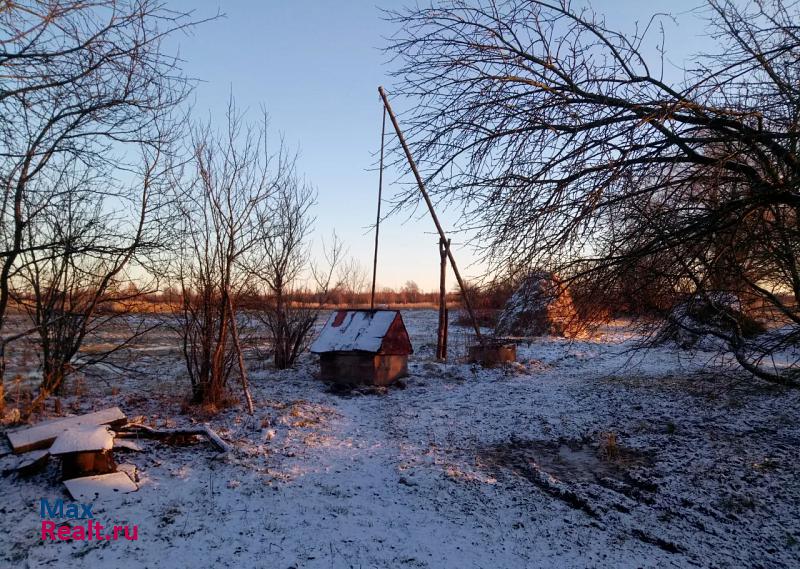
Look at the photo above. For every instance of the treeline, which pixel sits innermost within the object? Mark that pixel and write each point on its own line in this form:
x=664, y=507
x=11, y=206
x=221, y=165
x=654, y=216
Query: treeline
x=337, y=298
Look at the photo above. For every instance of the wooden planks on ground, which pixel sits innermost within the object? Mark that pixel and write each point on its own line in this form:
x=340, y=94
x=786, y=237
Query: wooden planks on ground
x=25, y=464
x=42, y=435
x=100, y=486
x=86, y=438
x=136, y=431
x=125, y=444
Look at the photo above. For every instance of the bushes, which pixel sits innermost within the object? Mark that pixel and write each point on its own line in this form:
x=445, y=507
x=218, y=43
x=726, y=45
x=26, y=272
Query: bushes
x=719, y=315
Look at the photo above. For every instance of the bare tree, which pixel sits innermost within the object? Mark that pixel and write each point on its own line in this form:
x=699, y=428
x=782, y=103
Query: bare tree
x=81, y=83
x=74, y=265
x=412, y=291
x=352, y=280
x=281, y=260
x=227, y=209
x=572, y=150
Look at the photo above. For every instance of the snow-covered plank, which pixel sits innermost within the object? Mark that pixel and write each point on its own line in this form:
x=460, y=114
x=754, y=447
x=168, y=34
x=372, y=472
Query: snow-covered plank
x=84, y=438
x=354, y=330
x=27, y=463
x=127, y=445
x=100, y=486
x=42, y=435
x=130, y=470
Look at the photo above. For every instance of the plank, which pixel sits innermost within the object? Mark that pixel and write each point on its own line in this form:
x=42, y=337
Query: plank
x=216, y=439
x=130, y=470
x=43, y=435
x=32, y=461
x=143, y=431
x=25, y=464
x=84, y=438
x=100, y=486
x=127, y=445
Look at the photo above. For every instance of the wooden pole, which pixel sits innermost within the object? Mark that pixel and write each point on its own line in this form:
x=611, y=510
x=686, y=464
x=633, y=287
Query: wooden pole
x=441, y=338
x=446, y=329
x=240, y=357
x=428, y=202
x=378, y=219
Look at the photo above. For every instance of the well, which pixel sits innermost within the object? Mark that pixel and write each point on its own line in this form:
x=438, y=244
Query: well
x=492, y=353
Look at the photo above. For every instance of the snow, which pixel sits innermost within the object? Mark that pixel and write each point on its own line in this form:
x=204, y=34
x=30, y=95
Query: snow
x=539, y=306
x=44, y=433
x=465, y=467
x=99, y=486
x=354, y=330
x=127, y=445
x=83, y=439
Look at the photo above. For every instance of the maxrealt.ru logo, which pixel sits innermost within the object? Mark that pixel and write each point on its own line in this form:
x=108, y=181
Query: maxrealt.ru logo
x=72, y=512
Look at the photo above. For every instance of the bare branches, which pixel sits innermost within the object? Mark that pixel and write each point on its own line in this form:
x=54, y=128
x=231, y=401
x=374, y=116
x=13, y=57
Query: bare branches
x=88, y=100
x=79, y=249
x=222, y=204
x=568, y=149
x=282, y=259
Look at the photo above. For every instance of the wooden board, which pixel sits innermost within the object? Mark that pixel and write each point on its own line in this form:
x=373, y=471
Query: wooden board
x=174, y=435
x=85, y=438
x=80, y=464
x=26, y=464
x=130, y=470
x=127, y=445
x=492, y=354
x=43, y=435
x=89, y=488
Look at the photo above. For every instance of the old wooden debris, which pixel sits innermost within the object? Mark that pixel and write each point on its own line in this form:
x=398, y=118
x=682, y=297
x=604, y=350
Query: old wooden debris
x=85, y=438
x=28, y=463
x=130, y=470
x=85, y=450
x=41, y=436
x=100, y=486
x=142, y=431
x=124, y=444
x=491, y=354
x=78, y=464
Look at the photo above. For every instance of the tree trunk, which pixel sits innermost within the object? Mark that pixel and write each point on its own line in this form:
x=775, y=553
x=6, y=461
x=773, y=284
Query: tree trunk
x=240, y=355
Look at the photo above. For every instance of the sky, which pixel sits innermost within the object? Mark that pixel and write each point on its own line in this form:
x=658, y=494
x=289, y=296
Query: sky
x=315, y=66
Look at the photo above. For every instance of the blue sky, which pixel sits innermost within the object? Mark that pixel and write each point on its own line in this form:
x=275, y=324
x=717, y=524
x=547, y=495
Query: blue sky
x=316, y=66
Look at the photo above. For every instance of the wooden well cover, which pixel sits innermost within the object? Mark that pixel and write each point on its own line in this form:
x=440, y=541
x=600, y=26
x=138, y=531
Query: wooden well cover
x=367, y=331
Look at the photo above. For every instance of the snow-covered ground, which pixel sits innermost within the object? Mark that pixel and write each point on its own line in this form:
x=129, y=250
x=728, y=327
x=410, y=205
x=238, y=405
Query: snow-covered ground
x=582, y=455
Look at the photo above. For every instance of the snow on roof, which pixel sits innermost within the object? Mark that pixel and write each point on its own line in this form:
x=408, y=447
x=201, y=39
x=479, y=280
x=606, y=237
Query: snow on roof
x=83, y=439
x=355, y=330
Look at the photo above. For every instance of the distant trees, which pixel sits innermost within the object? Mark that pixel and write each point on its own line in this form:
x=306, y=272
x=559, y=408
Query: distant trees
x=87, y=102
x=352, y=279
x=573, y=151
x=411, y=291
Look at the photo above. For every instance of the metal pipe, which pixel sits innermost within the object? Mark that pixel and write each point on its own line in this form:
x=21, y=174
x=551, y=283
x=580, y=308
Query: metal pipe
x=378, y=219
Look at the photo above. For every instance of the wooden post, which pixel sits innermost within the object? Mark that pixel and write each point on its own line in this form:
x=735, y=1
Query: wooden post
x=441, y=338
x=446, y=328
x=429, y=203
x=240, y=356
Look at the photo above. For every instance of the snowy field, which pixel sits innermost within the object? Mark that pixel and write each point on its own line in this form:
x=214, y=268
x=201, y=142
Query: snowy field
x=581, y=455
